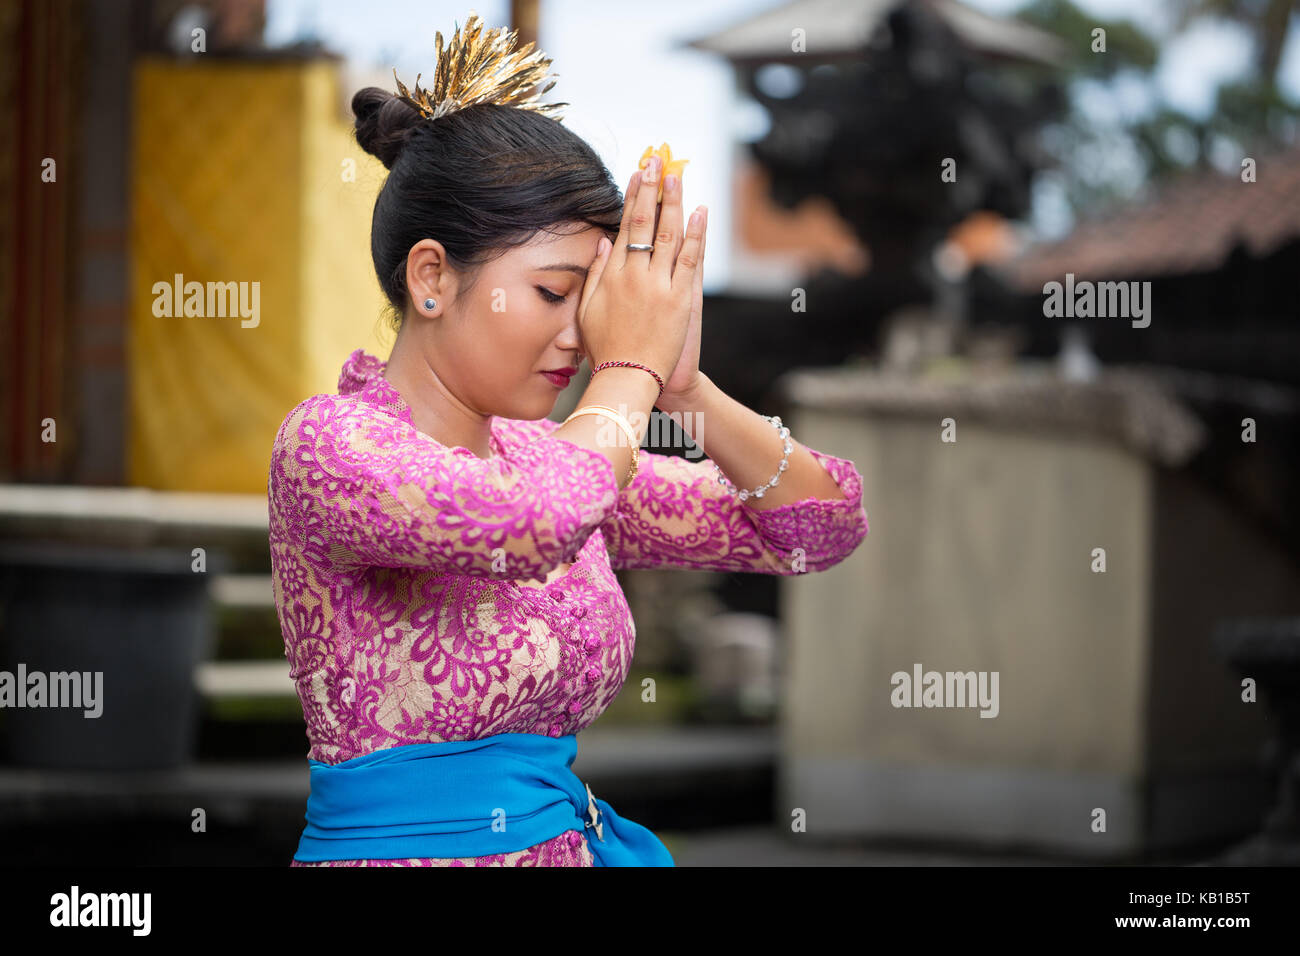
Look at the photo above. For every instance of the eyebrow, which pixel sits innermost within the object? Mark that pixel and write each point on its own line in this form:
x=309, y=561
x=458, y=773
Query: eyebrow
x=565, y=267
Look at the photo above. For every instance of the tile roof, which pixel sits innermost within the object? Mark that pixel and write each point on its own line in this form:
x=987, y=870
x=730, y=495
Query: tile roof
x=1191, y=225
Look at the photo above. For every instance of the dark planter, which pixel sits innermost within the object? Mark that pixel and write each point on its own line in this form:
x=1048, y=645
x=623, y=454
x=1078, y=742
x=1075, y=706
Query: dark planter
x=138, y=616
x=1268, y=649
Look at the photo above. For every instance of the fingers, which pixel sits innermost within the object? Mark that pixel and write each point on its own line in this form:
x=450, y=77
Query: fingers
x=692, y=254
x=618, y=255
x=644, y=206
x=668, y=234
x=594, y=272
x=699, y=271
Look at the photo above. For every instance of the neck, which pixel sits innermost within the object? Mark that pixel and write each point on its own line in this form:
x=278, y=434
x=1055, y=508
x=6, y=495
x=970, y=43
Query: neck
x=435, y=409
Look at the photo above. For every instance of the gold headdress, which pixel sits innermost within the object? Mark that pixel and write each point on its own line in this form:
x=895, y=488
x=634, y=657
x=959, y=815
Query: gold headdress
x=481, y=68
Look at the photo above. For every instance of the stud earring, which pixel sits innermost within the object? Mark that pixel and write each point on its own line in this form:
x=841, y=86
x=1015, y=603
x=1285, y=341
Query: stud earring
x=429, y=304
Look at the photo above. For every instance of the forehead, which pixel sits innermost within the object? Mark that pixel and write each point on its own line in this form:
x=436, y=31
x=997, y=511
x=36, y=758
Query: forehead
x=568, y=248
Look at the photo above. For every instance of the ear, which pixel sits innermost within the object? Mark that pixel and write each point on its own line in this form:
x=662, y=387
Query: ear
x=427, y=275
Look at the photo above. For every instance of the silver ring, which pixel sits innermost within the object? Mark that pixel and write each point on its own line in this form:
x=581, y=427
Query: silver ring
x=640, y=247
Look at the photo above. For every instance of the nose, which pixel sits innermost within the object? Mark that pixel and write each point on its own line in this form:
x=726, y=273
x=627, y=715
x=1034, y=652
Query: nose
x=571, y=340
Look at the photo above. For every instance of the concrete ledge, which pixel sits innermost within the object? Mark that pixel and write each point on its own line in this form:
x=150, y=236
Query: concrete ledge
x=129, y=516
x=1014, y=809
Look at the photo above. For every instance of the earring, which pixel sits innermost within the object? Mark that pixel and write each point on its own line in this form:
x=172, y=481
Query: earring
x=429, y=305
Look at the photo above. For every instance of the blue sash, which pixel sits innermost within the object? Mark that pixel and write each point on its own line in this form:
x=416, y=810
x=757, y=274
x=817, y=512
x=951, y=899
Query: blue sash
x=499, y=794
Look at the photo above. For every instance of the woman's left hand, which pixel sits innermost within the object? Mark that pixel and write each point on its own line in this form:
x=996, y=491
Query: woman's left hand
x=683, y=380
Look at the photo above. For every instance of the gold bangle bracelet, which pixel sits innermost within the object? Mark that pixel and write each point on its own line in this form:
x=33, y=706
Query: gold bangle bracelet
x=621, y=422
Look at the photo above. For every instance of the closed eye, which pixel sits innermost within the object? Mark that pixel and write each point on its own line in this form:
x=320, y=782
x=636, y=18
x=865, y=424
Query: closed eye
x=550, y=296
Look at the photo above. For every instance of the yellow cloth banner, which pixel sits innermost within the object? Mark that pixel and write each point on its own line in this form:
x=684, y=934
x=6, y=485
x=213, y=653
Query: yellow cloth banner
x=251, y=276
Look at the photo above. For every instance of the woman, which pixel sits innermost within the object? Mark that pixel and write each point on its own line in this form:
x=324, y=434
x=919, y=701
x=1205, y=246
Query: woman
x=443, y=553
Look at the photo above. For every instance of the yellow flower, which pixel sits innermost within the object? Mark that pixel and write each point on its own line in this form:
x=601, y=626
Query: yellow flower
x=667, y=165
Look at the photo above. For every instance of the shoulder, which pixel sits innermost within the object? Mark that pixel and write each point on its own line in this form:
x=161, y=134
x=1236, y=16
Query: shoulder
x=329, y=416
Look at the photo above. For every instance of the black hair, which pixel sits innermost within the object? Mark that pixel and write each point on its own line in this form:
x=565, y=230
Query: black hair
x=480, y=180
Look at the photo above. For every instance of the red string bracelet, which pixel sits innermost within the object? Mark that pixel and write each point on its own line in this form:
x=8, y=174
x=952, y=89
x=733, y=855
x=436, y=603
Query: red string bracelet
x=630, y=365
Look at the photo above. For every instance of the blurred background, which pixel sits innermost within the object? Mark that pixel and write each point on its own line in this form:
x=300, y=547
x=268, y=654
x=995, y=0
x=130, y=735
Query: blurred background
x=1095, y=505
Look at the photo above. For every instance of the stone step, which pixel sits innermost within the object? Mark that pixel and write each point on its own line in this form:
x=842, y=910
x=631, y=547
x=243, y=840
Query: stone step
x=242, y=591
x=244, y=679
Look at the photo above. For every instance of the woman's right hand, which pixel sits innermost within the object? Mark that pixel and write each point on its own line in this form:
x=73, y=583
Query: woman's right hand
x=636, y=306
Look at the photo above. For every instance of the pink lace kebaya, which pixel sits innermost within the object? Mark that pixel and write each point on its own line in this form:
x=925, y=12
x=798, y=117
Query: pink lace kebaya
x=408, y=576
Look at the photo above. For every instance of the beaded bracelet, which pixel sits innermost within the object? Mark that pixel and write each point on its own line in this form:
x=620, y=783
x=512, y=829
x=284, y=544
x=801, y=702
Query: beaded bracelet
x=629, y=365
x=784, y=432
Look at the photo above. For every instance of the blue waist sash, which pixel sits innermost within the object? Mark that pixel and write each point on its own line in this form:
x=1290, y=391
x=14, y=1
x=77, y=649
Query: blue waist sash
x=464, y=798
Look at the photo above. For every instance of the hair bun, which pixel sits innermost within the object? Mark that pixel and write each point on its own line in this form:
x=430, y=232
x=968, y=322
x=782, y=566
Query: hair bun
x=384, y=121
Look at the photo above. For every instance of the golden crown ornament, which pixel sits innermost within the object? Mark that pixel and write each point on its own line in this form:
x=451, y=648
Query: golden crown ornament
x=481, y=67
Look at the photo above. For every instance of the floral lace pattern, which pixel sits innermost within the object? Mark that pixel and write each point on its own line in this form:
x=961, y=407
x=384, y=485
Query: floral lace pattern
x=397, y=565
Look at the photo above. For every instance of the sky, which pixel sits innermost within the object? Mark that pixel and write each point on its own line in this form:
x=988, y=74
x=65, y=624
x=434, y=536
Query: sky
x=618, y=63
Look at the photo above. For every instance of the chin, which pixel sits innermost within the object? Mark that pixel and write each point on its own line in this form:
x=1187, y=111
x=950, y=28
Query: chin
x=532, y=411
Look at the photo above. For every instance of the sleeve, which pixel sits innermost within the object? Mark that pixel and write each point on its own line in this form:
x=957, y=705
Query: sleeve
x=674, y=514
x=361, y=487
